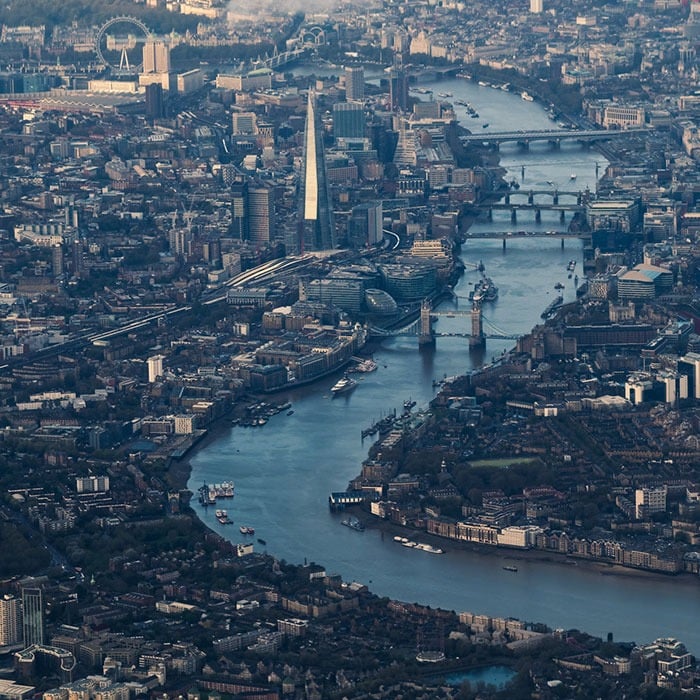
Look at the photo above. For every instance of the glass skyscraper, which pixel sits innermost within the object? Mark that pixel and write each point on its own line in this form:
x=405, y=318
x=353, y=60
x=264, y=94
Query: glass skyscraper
x=316, y=215
x=32, y=616
x=348, y=120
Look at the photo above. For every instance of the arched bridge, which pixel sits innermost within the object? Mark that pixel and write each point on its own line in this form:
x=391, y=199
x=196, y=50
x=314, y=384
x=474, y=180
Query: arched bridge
x=525, y=136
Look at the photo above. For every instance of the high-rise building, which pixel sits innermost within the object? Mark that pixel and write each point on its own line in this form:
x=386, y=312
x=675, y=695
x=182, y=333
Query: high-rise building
x=239, y=213
x=10, y=621
x=348, y=120
x=354, y=83
x=260, y=214
x=316, y=215
x=398, y=88
x=536, y=6
x=365, y=225
x=155, y=107
x=57, y=260
x=155, y=368
x=156, y=57
x=689, y=365
x=32, y=616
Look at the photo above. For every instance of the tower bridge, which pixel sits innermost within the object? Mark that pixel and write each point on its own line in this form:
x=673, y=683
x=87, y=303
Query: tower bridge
x=423, y=327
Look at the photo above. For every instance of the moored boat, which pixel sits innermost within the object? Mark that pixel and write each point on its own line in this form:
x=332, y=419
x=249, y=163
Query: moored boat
x=352, y=522
x=245, y=530
x=343, y=385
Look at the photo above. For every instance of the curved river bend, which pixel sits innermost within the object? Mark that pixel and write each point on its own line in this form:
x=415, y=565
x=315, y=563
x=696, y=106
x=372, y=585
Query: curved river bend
x=285, y=470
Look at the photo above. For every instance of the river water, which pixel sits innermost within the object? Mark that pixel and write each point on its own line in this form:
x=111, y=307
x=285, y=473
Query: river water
x=285, y=470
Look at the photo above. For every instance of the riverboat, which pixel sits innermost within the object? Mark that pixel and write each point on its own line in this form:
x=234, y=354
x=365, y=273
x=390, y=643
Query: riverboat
x=222, y=517
x=368, y=365
x=510, y=568
x=527, y=96
x=245, y=530
x=429, y=548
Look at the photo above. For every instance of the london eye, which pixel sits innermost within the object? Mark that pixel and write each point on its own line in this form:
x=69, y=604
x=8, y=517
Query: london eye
x=119, y=44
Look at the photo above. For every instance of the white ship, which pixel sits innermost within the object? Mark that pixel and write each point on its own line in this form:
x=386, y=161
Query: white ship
x=343, y=385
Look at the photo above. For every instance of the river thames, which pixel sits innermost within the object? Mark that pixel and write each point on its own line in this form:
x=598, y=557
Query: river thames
x=285, y=470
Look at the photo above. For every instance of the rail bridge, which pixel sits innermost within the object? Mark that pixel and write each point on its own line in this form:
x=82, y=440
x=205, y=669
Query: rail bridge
x=423, y=327
x=555, y=136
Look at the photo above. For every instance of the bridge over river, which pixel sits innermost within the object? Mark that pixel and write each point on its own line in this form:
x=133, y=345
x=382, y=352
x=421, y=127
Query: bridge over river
x=555, y=136
x=422, y=327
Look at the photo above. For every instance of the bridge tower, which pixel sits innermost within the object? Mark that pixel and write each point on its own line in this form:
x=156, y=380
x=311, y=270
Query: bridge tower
x=477, y=339
x=426, y=337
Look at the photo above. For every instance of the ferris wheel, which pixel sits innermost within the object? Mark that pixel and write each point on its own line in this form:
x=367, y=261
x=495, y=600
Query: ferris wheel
x=121, y=49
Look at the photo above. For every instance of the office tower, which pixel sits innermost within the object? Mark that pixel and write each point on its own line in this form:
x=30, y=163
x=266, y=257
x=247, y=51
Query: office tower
x=260, y=214
x=156, y=57
x=689, y=365
x=316, y=215
x=536, y=6
x=10, y=621
x=354, y=84
x=155, y=107
x=155, y=368
x=32, y=616
x=365, y=225
x=398, y=88
x=348, y=120
x=239, y=207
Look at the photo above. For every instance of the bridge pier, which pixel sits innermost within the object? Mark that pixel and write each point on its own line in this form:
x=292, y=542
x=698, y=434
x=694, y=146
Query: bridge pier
x=555, y=197
x=562, y=216
x=477, y=339
x=504, y=242
x=538, y=216
x=508, y=198
x=579, y=198
x=530, y=197
x=513, y=216
x=562, y=244
x=426, y=337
